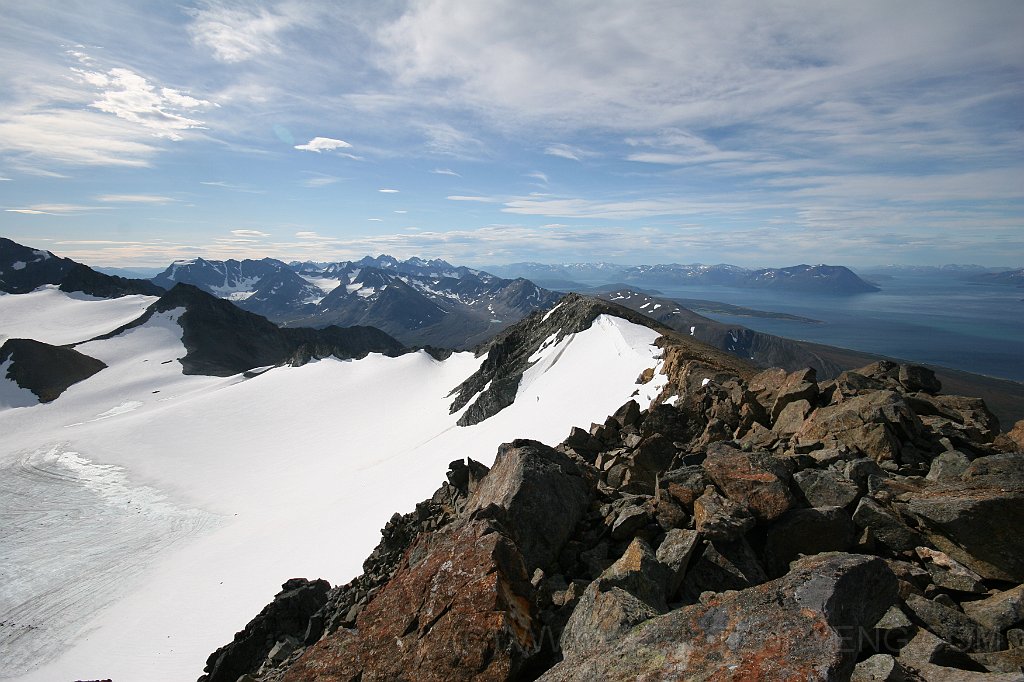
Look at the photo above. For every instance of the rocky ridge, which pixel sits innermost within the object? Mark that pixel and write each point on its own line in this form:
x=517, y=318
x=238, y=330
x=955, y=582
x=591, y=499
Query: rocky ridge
x=751, y=527
x=23, y=269
x=222, y=339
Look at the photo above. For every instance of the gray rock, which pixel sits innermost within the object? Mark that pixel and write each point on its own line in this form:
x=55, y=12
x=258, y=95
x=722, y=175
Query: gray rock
x=722, y=566
x=542, y=493
x=948, y=466
x=629, y=521
x=949, y=573
x=718, y=518
x=955, y=627
x=878, y=668
x=629, y=592
x=807, y=531
x=915, y=378
x=996, y=469
x=826, y=488
x=932, y=658
x=757, y=480
x=886, y=527
x=675, y=552
x=978, y=524
x=1000, y=611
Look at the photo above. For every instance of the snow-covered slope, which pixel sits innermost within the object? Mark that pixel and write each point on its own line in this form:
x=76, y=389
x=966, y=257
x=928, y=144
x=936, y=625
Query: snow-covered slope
x=142, y=500
x=58, y=317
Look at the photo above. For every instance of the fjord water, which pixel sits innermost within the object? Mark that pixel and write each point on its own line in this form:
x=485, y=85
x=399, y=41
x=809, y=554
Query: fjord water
x=931, y=319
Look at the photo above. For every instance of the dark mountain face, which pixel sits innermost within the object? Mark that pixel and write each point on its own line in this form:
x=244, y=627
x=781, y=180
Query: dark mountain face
x=46, y=370
x=222, y=340
x=23, y=269
x=418, y=301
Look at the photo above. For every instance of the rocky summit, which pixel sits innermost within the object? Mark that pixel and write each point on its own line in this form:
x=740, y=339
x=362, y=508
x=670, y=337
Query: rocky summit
x=759, y=527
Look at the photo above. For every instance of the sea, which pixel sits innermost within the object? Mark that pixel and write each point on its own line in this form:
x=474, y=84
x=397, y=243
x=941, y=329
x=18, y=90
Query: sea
x=926, y=318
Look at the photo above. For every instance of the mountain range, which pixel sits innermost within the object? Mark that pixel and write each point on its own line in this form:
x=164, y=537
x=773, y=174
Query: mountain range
x=169, y=460
x=419, y=302
x=821, y=279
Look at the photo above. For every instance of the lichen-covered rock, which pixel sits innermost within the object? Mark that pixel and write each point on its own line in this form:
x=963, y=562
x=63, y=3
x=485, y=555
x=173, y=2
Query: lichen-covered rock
x=886, y=526
x=801, y=626
x=756, y=480
x=458, y=608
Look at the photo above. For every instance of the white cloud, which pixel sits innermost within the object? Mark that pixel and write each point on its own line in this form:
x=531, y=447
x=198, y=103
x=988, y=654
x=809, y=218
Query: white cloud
x=375, y=220
x=234, y=187
x=135, y=198
x=237, y=33
x=387, y=190
x=445, y=171
x=460, y=197
x=568, y=152
x=249, y=233
x=401, y=212
x=131, y=97
x=56, y=209
x=320, y=180
x=538, y=175
x=323, y=144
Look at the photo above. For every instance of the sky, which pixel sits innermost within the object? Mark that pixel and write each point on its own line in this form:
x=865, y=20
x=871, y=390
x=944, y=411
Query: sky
x=639, y=131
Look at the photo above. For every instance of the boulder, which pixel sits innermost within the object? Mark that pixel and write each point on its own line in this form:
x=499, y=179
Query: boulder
x=674, y=553
x=928, y=657
x=954, y=626
x=685, y=484
x=807, y=531
x=722, y=566
x=797, y=386
x=802, y=626
x=718, y=518
x=915, y=378
x=826, y=488
x=631, y=519
x=872, y=423
x=948, y=466
x=543, y=496
x=949, y=573
x=458, y=608
x=978, y=525
x=996, y=470
x=886, y=527
x=630, y=591
x=878, y=668
x=1001, y=611
x=756, y=480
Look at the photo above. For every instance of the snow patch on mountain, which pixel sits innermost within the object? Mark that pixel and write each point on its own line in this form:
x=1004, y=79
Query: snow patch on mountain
x=58, y=318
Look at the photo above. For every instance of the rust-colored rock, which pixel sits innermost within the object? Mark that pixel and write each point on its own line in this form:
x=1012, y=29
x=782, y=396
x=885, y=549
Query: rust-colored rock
x=458, y=608
x=756, y=480
x=798, y=627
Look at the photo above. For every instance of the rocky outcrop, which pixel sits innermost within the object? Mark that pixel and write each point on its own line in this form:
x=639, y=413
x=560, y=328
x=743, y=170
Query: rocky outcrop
x=223, y=340
x=46, y=370
x=696, y=540
x=23, y=269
